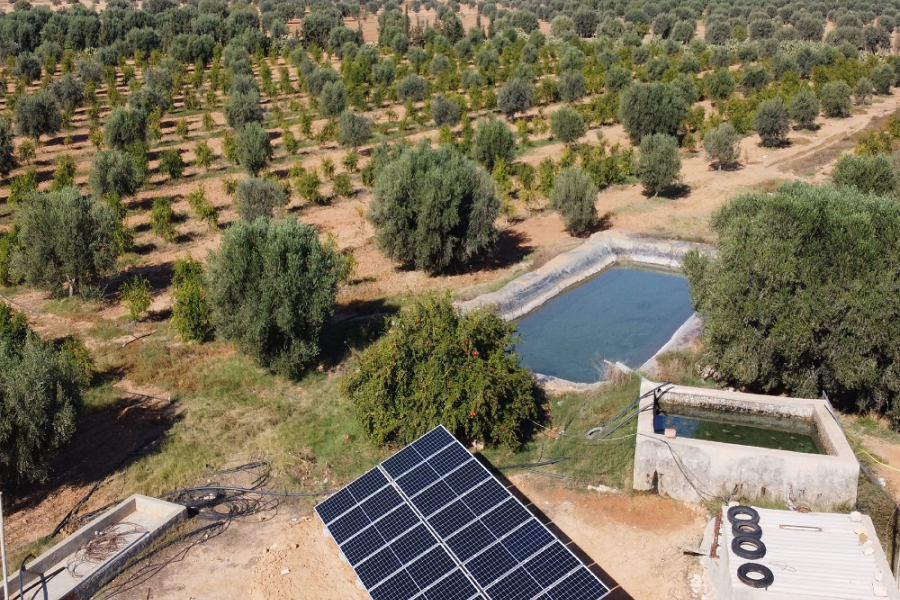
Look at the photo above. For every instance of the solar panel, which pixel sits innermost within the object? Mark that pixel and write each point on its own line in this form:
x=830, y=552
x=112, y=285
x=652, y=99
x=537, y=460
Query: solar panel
x=431, y=523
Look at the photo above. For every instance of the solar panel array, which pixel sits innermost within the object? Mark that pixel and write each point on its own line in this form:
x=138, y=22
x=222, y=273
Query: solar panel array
x=432, y=523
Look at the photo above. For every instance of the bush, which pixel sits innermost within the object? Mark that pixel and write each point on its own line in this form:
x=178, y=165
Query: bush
x=243, y=108
x=203, y=154
x=22, y=186
x=493, y=140
x=444, y=111
x=64, y=236
x=772, y=122
x=259, y=197
x=333, y=99
x=883, y=78
x=171, y=163
x=259, y=279
x=411, y=87
x=862, y=91
x=617, y=79
x=433, y=208
x=647, y=108
x=567, y=125
x=191, y=315
x=354, y=130
x=64, y=175
x=436, y=365
x=161, y=216
x=659, y=163
x=574, y=196
x=136, y=294
x=253, y=148
x=572, y=86
x=516, y=95
x=719, y=85
x=113, y=172
x=722, y=145
x=8, y=160
x=40, y=396
x=805, y=108
x=868, y=174
x=37, y=114
x=835, y=99
x=776, y=295
x=341, y=185
x=203, y=208
x=123, y=128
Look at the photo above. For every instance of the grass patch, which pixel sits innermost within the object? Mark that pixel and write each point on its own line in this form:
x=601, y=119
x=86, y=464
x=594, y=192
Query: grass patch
x=104, y=330
x=609, y=462
x=73, y=307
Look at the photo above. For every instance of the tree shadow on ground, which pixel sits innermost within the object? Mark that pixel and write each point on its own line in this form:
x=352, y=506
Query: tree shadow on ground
x=728, y=167
x=673, y=192
x=159, y=276
x=511, y=249
x=355, y=326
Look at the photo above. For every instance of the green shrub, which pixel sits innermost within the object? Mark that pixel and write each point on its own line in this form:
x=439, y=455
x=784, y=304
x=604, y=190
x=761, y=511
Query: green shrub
x=778, y=295
x=291, y=145
x=772, y=122
x=204, y=209
x=647, y=108
x=436, y=365
x=719, y=85
x=259, y=197
x=191, y=316
x=835, y=99
x=136, y=294
x=22, y=186
x=493, y=140
x=258, y=280
x=574, y=196
x=868, y=174
x=659, y=163
x=114, y=172
x=253, y=148
x=862, y=91
x=123, y=128
x=722, y=145
x=204, y=155
x=64, y=175
x=516, y=95
x=342, y=186
x=433, y=208
x=64, y=237
x=8, y=242
x=8, y=160
x=354, y=130
x=161, y=216
x=567, y=125
x=171, y=163
x=805, y=108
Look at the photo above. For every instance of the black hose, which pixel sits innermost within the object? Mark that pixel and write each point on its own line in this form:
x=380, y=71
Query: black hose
x=593, y=430
x=222, y=488
x=534, y=464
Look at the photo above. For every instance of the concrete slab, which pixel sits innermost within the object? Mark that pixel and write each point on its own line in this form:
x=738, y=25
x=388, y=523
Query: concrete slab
x=77, y=567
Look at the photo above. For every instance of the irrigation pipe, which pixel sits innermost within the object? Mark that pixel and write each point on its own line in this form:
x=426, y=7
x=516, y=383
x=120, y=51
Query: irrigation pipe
x=222, y=488
x=880, y=463
x=594, y=430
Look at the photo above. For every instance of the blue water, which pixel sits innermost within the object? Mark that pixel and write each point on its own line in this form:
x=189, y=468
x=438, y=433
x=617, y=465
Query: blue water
x=623, y=314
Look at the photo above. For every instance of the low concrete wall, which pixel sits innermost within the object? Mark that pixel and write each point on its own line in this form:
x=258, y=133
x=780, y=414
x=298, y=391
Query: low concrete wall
x=600, y=251
x=689, y=469
x=153, y=516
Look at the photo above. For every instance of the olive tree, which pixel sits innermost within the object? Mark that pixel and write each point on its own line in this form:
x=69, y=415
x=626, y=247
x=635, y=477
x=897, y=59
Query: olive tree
x=37, y=114
x=412, y=87
x=567, y=125
x=354, y=129
x=659, y=163
x=647, y=108
x=772, y=122
x=8, y=160
x=243, y=108
x=64, y=237
x=777, y=296
x=254, y=147
x=271, y=287
x=259, y=197
x=835, y=99
x=805, y=108
x=124, y=127
x=493, y=140
x=868, y=174
x=574, y=196
x=433, y=208
x=444, y=111
x=722, y=145
x=333, y=98
x=114, y=172
x=516, y=95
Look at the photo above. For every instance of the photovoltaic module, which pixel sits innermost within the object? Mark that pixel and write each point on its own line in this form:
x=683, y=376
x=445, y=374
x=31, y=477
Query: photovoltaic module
x=432, y=523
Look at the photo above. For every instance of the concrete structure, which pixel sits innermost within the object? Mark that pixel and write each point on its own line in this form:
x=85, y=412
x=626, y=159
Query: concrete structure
x=691, y=469
x=813, y=556
x=79, y=565
x=599, y=252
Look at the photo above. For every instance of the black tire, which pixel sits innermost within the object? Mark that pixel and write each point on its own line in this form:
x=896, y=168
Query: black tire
x=742, y=514
x=739, y=541
x=745, y=569
x=748, y=528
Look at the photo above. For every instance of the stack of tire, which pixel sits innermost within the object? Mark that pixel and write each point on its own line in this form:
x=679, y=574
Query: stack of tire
x=747, y=543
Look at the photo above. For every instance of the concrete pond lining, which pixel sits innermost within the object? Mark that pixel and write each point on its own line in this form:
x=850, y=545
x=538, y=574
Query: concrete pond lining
x=79, y=565
x=694, y=470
